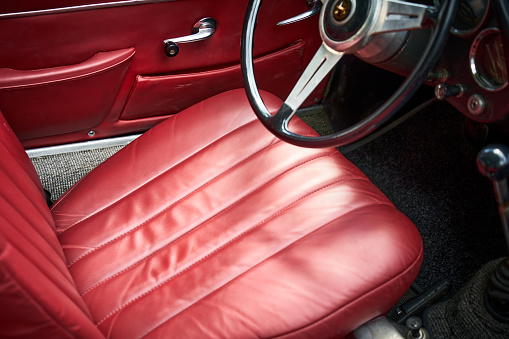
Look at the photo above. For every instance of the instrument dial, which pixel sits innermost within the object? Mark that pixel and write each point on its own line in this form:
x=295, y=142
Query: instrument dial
x=488, y=61
x=469, y=17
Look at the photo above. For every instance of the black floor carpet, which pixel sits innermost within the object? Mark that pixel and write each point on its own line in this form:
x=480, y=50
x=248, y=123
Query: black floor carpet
x=465, y=316
x=427, y=169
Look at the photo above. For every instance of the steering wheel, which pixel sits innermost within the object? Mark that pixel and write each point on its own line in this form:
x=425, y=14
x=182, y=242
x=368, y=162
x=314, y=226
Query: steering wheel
x=345, y=27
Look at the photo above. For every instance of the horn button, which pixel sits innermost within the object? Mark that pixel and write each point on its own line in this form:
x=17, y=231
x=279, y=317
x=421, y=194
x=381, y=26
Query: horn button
x=342, y=19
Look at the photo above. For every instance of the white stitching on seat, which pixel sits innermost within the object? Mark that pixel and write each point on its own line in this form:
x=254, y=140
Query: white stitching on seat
x=263, y=261
x=211, y=218
x=150, y=180
x=223, y=246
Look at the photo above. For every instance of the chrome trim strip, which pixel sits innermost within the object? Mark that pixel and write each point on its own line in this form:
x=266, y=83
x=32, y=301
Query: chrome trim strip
x=317, y=6
x=81, y=146
x=79, y=8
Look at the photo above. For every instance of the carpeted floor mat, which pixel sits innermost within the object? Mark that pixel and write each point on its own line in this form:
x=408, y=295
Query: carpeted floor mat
x=60, y=171
x=464, y=316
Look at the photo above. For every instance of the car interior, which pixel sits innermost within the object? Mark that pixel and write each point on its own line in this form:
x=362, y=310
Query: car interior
x=249, y=169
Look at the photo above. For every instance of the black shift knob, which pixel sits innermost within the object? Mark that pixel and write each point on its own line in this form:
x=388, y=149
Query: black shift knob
x=493, y=161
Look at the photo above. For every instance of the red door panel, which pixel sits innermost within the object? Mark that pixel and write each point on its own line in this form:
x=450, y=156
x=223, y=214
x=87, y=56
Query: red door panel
x=59, y=97
x=38, y=42
x=149, y=96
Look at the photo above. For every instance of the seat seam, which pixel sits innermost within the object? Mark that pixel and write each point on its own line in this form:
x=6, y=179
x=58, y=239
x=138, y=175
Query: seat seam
x=152, y=179
x=207, y=183
x=240, y=235
x=19, y=161
x=20, y=249
x=33, y=185
x=274, y=255
x=23, y=215
x=34, y=302
x=217, y=214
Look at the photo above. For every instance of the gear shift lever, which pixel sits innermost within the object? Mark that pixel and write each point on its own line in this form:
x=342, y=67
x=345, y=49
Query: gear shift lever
x=493, y=162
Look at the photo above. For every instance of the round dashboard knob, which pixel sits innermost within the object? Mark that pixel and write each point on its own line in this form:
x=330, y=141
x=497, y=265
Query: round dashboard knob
x=476, y=104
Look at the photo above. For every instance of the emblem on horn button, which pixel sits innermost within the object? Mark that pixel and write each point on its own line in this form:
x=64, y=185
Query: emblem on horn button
x=342, y=9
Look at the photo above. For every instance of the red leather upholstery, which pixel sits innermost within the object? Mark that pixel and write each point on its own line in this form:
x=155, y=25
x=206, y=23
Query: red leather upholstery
x=62, y=89
x=38, y=297
x=43, y=42
x=208, y=226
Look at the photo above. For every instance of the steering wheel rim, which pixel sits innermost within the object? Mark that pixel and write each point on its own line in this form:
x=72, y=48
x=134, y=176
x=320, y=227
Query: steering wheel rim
x=278, y=123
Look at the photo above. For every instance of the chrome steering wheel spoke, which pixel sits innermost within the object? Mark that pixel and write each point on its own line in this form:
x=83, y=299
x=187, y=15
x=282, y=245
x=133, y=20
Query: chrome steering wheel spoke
x=400, y=15
x=347, y=26
x=321, y=64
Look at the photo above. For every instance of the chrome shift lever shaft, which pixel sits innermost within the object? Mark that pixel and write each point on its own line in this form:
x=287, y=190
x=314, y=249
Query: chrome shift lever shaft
x=493, y=162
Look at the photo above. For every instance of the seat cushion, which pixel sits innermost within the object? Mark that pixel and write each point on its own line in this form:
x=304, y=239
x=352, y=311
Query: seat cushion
x=208, y=226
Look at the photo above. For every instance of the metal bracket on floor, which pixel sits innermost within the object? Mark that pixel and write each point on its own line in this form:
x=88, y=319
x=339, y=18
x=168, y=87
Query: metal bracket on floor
x=418, y=304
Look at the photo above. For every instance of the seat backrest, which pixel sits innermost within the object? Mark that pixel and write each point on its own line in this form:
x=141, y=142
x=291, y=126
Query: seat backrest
x=38, y=297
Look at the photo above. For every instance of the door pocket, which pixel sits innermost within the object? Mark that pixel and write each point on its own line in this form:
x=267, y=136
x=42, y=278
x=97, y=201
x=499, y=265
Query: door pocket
x=63, y=99
x=169, y=94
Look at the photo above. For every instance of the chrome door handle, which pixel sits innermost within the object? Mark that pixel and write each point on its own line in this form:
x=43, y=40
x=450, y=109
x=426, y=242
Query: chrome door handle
x=317, y=5
x=202, y=30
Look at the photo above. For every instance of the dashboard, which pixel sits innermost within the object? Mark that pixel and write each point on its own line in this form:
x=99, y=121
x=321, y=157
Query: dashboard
x=475, y=63
x=472, y=72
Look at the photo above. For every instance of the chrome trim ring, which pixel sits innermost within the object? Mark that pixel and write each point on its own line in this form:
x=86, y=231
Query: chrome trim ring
x=465, y=32
x=79, y=8
x=479, y=78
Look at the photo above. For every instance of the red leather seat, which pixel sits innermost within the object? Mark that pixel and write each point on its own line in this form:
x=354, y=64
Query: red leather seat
x=207, y=226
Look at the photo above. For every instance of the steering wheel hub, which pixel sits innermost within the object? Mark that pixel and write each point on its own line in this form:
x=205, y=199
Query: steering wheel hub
x=344, y=23
x=342, y=19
